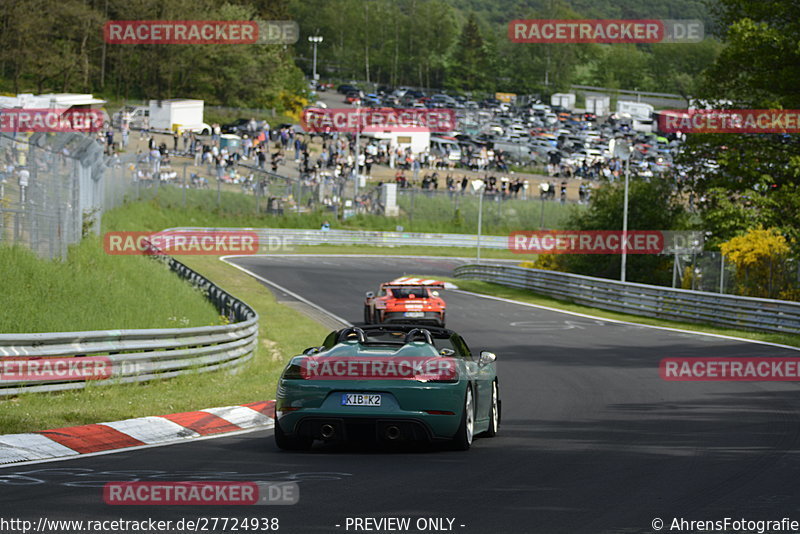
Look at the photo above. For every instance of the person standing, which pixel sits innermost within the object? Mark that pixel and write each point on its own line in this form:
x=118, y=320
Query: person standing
x=155, y=160
x=23, y=177
x=219, y=165
x=247, y=146
x=109, y=141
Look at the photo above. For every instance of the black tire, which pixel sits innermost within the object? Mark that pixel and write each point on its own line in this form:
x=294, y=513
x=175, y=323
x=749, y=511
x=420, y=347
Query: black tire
x=367, y=315
x=466, y=430
x=494, y=412
x=290, y=443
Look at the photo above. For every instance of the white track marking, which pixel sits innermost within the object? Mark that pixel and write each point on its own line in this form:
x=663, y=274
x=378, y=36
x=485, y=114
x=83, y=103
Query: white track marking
x=152, y=430
x=15, y=447
x=617, y=321
x=241, y=416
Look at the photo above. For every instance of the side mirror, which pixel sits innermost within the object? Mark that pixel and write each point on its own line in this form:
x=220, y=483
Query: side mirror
x=487, y=358
x=435, y=293
x=370, y=294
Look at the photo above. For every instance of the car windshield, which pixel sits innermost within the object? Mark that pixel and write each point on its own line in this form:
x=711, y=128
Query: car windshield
x=406, y=292
x=397, y=338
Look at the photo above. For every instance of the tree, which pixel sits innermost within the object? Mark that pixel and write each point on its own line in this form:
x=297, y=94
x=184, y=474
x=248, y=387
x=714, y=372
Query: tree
x=676, y=67
x=750, y=179
x=651, y=206
x=470, y=66
x=623, y=66
x=763, y=269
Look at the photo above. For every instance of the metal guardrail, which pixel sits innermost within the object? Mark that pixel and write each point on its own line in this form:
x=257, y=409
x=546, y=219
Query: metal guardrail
x=145, y=354
x=292, y=237
x=640, y=299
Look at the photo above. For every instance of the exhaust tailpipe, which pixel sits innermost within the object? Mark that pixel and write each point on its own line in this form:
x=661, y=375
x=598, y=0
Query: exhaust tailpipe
x=327, y=431
x=392, y=433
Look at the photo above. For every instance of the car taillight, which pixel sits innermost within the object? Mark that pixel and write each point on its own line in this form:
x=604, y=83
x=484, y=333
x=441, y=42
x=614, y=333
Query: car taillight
x=293, y=372
x=442, y=380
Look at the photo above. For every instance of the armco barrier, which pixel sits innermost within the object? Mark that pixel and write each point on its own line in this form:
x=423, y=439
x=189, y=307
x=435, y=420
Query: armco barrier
x=640, y=299
x=140, y=355
x=292, y=236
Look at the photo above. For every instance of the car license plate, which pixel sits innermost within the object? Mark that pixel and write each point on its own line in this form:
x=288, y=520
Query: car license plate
x=414, y=314
x=359, y=399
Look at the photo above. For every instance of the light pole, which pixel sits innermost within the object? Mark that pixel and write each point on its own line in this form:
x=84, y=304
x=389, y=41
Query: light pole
x=625, y=224
x=315, y=39
x=621, y=149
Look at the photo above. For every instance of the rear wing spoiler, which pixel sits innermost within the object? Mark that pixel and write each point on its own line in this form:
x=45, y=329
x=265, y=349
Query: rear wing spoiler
x=416, y=282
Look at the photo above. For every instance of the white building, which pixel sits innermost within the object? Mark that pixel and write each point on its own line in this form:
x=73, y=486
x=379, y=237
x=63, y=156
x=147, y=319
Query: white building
x=417, y=141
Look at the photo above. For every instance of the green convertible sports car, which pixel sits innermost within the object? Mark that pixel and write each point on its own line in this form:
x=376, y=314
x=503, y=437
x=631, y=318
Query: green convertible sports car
x=388, y=383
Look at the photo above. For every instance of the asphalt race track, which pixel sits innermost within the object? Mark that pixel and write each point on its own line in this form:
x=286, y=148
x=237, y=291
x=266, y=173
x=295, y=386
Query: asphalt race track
x=592, y=439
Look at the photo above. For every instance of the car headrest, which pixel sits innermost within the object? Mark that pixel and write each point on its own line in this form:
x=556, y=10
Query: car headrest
x=351, y=334
x=415, y=333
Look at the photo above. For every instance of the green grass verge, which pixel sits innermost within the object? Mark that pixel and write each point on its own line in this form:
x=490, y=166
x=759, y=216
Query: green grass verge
x=92, y=290
x=283, y=332
x=496, y=290
x=166, y=209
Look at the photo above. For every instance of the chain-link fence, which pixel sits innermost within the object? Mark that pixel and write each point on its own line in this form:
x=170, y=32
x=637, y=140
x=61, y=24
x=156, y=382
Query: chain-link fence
x=51, y=185
x=241, y=188
x=710, y=271
x=458, y=210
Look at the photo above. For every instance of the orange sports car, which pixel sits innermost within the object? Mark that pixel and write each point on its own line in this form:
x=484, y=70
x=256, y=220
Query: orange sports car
x=406, y=300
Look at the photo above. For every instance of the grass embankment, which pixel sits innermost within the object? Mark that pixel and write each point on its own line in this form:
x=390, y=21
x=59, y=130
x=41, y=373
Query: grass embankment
x=436, y=213
x=94, y=291
x=497, y=290
x=283, y=332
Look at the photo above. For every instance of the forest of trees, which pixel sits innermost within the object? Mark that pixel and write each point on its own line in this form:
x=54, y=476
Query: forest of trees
x=57, y=46
x=464, y=45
